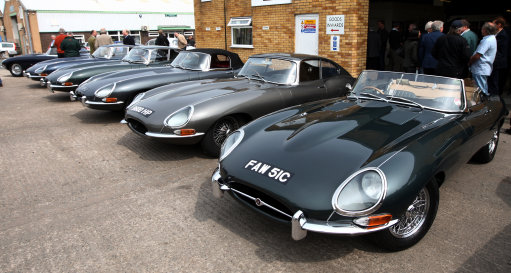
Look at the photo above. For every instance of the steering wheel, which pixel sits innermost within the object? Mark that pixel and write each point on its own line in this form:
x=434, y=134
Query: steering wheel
x=374, y=88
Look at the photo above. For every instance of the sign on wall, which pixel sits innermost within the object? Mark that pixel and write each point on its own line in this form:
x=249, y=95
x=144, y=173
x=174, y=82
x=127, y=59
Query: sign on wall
x=335, y=24
x=308, y=26
x=334, y=42
x=256, y=3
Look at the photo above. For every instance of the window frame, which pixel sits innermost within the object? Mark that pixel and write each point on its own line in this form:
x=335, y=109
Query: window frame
x=246, y=25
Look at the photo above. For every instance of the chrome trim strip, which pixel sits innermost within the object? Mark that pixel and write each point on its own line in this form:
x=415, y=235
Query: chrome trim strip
x=103, y=103
x=262, y=203
x=160, y=135
x=62, y=86
x=34, y=76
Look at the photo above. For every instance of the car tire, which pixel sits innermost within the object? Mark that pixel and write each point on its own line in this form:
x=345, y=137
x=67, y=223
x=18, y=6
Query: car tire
x=413, y=224
x=16, y=70
x=487, y=153
x=216, y=135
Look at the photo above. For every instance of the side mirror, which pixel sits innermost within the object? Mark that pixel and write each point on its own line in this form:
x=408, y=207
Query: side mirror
x=348, y=85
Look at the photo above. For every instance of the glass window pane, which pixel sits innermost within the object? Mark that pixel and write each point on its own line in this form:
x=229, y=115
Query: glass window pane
x=242, y=36
x=309, y=70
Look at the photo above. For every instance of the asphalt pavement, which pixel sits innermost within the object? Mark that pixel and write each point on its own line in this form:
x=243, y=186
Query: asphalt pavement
x=79, y=192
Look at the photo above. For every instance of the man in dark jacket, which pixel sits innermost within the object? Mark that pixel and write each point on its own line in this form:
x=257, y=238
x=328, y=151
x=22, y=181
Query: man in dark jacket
x=162, y=39
x=70, y=46
x=497, y=79
x=452, y=52
x=426, y=60
x=127, y=39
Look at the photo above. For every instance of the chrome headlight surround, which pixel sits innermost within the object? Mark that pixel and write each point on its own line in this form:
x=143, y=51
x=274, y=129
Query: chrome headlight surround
x=368, y=185
x=230, y=143
x=137, y=98
x=65, y=77
x=179, y=118
x=40, y=69
x=105, y=91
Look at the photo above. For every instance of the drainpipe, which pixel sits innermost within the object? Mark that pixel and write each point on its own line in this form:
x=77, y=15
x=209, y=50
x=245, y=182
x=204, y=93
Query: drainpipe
x=27, y=30
x=225, y=25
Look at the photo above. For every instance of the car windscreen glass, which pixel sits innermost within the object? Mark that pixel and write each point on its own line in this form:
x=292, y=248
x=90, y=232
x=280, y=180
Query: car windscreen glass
x=271, y=70
x=191, y=60
x=138, y=55
x=103, y=52
x=432, y=92
x=119, y=52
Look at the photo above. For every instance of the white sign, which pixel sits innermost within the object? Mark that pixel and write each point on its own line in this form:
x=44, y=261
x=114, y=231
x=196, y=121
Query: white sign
x=266, y=27
x=334, y=42
x=208, y=28
x=218, y=28
x=335, y=24
x=256, y=3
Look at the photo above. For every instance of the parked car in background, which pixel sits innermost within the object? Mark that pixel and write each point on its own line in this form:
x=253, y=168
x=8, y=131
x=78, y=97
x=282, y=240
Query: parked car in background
x=207, y=111
x=369, y=163
x=68, y=78
x=17, y=64
x=114, y=91
x=7, y=49
x=107, y=53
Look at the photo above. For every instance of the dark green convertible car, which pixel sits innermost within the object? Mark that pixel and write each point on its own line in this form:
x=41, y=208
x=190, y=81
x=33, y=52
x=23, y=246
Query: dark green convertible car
x=369, y=163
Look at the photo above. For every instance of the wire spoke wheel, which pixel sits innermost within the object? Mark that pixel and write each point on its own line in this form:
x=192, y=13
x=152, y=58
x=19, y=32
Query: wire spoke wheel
x=222, y=129
x=414, y=217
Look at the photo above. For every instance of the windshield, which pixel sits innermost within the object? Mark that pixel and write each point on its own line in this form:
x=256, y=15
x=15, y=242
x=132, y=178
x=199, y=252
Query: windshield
x=139, y=55
x=191, y=60
x=103, y=52
x=269, y=70
x=424, y=91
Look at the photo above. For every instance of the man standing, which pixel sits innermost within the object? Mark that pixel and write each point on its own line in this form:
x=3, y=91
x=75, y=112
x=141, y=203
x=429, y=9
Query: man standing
x=52, y=43
x=481, y=62
x=452, y=53
x=469, y=35
x=92, y=41
x=384, y=36
x=58, y=40
x=396, y=48
x=181, y=41
x=190, y=41
x=127, y=39
x=497, y=78
x=103, y=39
x=70, y=46
x=427, y=61
x=161, y=40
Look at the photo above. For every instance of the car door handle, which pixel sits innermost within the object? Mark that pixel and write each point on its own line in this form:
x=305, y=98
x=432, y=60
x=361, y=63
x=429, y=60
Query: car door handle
x=321, y=86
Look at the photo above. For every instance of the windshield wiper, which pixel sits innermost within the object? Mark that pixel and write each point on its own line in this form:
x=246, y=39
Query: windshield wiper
x=259, y=76
x=371, y=96
x=392, y=98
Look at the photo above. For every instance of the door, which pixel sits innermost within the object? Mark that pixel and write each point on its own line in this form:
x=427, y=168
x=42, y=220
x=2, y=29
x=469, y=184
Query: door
x=306, y=33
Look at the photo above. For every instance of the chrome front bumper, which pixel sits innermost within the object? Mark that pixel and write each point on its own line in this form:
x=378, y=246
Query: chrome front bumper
x=299, y=223
x=63, y=88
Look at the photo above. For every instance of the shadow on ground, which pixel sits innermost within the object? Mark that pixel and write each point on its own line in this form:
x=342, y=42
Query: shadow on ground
x=89, y=116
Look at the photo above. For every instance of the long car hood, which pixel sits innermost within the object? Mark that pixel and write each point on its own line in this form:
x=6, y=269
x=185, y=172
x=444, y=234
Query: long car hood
x=145, y=74
x=168, y=98
x=323, y=143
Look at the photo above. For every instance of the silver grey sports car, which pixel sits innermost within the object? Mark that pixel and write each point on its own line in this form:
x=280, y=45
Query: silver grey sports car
x=207, y=111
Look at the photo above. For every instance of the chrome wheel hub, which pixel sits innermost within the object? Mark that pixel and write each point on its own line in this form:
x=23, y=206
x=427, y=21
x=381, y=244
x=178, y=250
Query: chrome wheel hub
x=493, y=142
x=414, y=217
x=222, y=131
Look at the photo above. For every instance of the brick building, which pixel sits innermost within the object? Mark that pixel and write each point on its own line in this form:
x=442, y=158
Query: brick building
x=248, y=27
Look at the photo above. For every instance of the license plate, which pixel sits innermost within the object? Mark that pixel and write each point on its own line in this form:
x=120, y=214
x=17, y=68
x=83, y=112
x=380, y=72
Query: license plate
x=142, y=110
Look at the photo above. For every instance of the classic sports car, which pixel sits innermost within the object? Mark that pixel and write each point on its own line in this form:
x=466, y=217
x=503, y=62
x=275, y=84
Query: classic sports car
x=367, y=163
x=68, y=78
x=207, y=111
x=107, y=53
x=116, y=90
x=17, y=64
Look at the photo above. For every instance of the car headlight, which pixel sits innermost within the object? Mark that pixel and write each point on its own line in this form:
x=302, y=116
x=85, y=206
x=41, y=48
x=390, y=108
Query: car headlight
x=40, y=69
x=230, y=143
x=137, y=98
x=180, y=117
x=65, y=77
x=105, y=91
x=361, y=194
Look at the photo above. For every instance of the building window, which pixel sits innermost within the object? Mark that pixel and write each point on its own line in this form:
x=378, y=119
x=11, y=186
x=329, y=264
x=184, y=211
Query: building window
x=117, y=36
x=241, y=32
